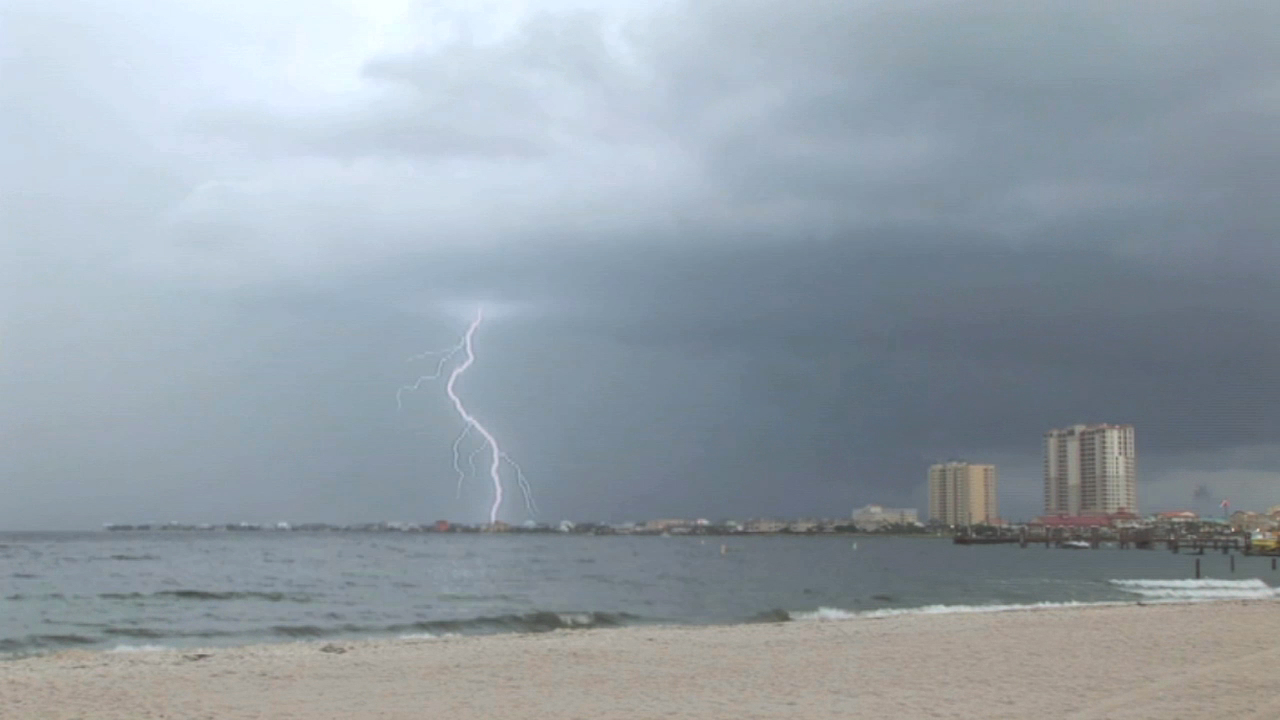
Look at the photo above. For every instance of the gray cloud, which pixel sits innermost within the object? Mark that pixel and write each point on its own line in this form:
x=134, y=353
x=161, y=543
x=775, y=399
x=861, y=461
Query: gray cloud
x=760, y=258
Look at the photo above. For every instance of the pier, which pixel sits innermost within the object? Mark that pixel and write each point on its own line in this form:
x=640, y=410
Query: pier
x=1124, y=539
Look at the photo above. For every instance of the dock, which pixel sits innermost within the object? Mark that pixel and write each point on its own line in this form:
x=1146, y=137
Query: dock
x=1124, y=539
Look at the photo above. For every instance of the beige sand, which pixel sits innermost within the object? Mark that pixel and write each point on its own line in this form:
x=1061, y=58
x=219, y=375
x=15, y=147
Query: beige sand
x=1187, y=662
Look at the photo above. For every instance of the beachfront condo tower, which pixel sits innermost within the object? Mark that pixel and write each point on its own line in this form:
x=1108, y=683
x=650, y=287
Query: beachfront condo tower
x=962, y=493
x=1089, y=470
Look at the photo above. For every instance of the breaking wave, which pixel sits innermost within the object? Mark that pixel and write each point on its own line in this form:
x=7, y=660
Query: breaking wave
x=1159, y=591
x=829, y=613
x=540, y=621
x=1198, y=590
x=534, y=622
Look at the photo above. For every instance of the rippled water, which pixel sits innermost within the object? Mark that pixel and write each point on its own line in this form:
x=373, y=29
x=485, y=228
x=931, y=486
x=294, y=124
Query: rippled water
x=108, y=590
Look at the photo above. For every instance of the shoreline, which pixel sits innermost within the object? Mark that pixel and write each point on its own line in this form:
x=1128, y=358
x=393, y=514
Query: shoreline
x=216, y=532
x=546, y=622
x=1130, y=660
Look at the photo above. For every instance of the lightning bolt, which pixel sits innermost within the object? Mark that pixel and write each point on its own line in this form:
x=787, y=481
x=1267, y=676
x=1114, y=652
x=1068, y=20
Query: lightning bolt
x=471, y=463
x=497, y=456
x=445, y=356
x=457, y=458
x=529, y=505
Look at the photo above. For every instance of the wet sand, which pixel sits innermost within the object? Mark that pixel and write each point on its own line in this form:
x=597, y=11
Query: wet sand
x=1155, y=661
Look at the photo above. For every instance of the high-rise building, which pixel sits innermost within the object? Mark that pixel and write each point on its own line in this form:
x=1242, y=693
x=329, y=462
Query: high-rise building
x=963, y=493
x=1089, y=470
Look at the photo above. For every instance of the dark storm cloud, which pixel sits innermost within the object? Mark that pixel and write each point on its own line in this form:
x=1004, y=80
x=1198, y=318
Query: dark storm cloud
x=762, y=257
x=986, y=348
x=977, y=98
x=1063, y=123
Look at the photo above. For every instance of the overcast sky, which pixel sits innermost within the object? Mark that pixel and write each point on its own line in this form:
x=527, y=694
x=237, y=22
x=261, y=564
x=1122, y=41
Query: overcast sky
x=741, y=257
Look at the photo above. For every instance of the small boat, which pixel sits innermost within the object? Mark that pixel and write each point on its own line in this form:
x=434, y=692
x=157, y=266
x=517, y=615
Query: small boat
x=1076, y=545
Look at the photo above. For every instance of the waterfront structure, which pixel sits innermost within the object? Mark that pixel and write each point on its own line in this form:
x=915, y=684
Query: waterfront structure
x=1177, y=517
x=1090, y=470
x=1095, y=520
x=962, y=493
x=874, y=517
x=667, y=524
x=764, y=525
x=1251, y=521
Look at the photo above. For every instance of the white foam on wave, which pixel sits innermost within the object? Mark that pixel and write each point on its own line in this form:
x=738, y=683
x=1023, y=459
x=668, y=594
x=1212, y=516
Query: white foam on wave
x=138, y=648
x=576, y=619
x=1153, y=591
x=1204, y=583
x=1193, y=590
x=823, y=613
x=427, y=636
x=828, y=613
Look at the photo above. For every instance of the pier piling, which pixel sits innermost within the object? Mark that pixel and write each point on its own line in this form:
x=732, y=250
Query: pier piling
x=1197, y=568
x=1233, y=563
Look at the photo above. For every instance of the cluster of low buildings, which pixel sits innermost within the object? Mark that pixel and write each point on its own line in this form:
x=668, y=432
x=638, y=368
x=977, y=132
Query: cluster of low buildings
x=872, y=518
x=1254, y=521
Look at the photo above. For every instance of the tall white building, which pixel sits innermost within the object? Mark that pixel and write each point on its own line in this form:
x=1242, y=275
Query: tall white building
x=1089, y=470
x=963, y=493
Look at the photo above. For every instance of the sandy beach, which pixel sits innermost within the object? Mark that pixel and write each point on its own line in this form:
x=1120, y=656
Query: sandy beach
x=1153, y=661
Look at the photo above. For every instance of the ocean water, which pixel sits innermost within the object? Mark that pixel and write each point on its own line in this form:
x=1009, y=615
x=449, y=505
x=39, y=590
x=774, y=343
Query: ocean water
x=121, y=591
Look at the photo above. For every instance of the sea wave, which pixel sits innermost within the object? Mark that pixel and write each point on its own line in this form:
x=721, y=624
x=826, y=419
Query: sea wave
x=775, y=615
x=45, y=596
x=1155, y=591
x=1203, y=589
x=42, y=643
x=135, y=632
x=829, y=613
x=533, y=622
x=210, y=595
